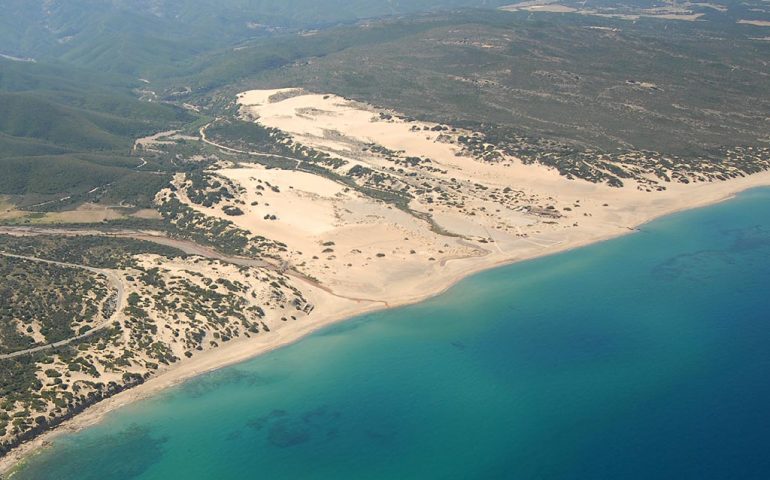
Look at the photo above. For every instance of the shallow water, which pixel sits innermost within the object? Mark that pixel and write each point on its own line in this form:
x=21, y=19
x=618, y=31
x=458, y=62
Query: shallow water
x=638, y=358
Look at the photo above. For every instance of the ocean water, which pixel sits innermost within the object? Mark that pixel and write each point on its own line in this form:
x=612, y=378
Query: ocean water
x=645, y=357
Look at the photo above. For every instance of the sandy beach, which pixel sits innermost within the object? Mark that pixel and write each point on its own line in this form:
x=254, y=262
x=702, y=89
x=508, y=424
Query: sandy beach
x=244, y=350
x=369, y=256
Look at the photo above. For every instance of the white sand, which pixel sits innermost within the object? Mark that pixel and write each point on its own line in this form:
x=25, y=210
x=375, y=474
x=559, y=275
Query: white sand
x=756, y=23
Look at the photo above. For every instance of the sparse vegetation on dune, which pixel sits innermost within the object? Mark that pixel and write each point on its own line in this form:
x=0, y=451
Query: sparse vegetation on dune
x=42, y=303
x=91, y=251
x=176, y=307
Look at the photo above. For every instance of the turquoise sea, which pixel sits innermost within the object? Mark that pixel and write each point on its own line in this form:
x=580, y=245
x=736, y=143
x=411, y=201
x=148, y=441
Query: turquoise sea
x=645, y=357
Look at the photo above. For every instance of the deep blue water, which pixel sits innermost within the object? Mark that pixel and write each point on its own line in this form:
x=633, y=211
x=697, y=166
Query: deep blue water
x=645, y=357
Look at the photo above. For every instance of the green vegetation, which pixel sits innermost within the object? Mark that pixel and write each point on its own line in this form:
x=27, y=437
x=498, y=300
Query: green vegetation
x=30, y=405
x=207, y=190
x=46, y=183
x=65, y=133
x=651, y=169
x=587, y=82
x=151, y=38
x=92, y=251
x=223, y=235
x=26, y=115
x=254, y=137
x=17, y=377
x=564, y=87
x=39, y=391
x=78, y=110
x=50, y=301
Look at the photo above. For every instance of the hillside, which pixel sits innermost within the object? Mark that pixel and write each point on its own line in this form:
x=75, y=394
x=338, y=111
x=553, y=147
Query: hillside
x=143, y=37
x=597, y=83
x=25, y=115
x=65, y=132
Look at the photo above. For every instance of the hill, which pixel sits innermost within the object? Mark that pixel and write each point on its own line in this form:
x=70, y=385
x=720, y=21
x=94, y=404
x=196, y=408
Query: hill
x=143, y=37
x=65, y=132
x=684, y=88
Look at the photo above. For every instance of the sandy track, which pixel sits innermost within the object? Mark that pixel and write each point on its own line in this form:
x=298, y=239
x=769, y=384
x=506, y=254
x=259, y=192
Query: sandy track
x=115, y=281
x=206, y=140
x=186, y=246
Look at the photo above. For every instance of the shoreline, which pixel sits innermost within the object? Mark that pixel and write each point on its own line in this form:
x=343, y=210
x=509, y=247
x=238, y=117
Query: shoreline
x=243, y=350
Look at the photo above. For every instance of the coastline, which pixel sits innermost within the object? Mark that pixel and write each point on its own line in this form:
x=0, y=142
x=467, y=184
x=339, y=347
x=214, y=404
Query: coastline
x=243, y=350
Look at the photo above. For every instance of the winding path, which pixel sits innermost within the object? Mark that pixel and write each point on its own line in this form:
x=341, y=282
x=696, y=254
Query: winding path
x=205, y=139
x=186, y=246
x=114, y=280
